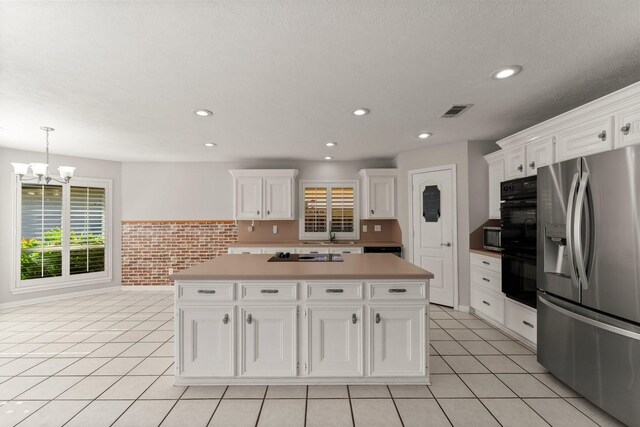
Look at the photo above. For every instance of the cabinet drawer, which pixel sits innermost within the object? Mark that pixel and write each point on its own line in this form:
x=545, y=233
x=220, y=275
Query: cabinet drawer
x=203, y=291
x=274, y=250
x=347, y=250
x=521, y=320
x=269, y=291
x=397, y=290
x=487, y=278
x=487, y=262
x=245, y=251
x=313, y=250
x=334, y=291
x=489, y=303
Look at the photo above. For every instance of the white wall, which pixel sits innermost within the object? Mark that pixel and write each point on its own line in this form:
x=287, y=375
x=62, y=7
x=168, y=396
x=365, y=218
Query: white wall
x=203, y=190
x=85, y=168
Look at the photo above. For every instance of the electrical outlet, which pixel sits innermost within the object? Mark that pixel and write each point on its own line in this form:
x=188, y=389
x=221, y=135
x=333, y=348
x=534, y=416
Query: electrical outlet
x=170, y=271
x=364, y=228
x=377, y=227
x=250, y=228
x=275, y=229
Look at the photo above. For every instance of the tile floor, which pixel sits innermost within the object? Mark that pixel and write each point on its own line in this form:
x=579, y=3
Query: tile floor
x=106, y=360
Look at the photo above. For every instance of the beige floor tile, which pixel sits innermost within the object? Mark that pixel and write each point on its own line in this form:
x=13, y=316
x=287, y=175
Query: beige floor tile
x=449, y=348
x=439, y=335
x=448, y=386
x=449, y=324
x=559, y=413
x=437, y=365
x=487, y=386
x=127, y=388
x=529, y=363
x=500, y=364
x=595, y=413
x=464, y=335
x=50, y=388
x=54, y=414
x=421, y=413
x=328, y=392
x=85, y=366
x=525, y=385
x=236, y=413
x=145, y=413
x=152, y=366
x=328, y=412
x=130, y=336
x=245, y=392
x=440, y=315
x=190, y=413
x=165, y=350
x=368, y=391
x=204, y=392
x=556, y=385
x=462, y=315
x=410, y=391
x=118, y=366
x=16, y=411
x=375, y=412
x=465, y=364
x=17, y=366
x=80, y=350
x=50, y=367
x=287, y=392
x=492, y=334
x=158, y=336
x=17, y=385
x=510, y=347
x=282, y=413
x=89, y=388
x=467, y=412
x=38, y=350
x=163, y=388
x=479, y=348
x=513, y=413
x=110, y=350
x=140, y=349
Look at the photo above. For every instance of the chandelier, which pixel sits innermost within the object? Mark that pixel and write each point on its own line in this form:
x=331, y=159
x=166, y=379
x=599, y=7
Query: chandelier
x=40, y=170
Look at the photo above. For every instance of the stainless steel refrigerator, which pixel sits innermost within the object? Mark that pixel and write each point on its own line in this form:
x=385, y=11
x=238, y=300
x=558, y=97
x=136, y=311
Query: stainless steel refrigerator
x=589, y=278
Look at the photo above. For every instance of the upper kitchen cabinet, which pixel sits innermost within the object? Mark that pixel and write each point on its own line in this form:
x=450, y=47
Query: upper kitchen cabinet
x=514, y=161
x=540, y=152
x=496, y=176
x=379, y=193
x=588, y=137
x=627, y=126
x=264, y=193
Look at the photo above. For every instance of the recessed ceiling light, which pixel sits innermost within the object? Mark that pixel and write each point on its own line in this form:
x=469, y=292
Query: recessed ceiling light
x=424, y=135
x=331, y=144
x=361, y=112
x=506, y=72
x=203, y=113
x=210, y=144
x=328, y=158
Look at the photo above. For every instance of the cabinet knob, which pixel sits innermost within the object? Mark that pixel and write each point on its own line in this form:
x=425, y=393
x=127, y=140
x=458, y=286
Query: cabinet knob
x=268, y=212
x=258, y=212
x=372, y=211
x=625, y=129
x=377, y=317
x=225, y=319
x=249, y=319
x=520, y=168
x=448, y=244
x=354, y=318
x=603, y=135
x=532, y=165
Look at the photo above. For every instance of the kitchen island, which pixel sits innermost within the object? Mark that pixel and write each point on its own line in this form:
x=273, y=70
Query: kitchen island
x=241, y=319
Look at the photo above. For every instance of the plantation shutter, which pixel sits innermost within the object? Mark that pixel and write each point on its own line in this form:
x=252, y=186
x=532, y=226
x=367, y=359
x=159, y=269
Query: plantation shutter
x=315, y=209
x=87, y=214
x=41, y=231
x=342, y=209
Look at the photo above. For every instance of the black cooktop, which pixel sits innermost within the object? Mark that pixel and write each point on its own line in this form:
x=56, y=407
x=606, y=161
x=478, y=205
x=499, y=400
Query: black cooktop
x=288, y=257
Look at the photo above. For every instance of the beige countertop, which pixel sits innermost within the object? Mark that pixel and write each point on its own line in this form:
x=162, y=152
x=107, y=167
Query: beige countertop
x=486, y=253
x=301, y=244
x=256, y=267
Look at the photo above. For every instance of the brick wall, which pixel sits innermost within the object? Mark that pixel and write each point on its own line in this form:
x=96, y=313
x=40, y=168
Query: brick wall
x=150, y=248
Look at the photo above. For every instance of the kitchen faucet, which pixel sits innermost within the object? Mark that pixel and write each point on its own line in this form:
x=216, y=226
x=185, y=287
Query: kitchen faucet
x=332, y=236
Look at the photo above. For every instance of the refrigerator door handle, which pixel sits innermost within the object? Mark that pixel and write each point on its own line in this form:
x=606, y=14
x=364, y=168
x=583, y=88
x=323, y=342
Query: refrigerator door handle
x=577, y=234
x=569, y=225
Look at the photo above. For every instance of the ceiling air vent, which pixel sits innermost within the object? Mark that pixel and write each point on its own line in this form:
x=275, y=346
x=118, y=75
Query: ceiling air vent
x=456, y=110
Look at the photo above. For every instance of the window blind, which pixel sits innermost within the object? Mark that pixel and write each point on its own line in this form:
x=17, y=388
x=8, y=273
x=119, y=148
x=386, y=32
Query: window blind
x=87, y=213
x=41, y=231
x=315, y=209
x=342, y=209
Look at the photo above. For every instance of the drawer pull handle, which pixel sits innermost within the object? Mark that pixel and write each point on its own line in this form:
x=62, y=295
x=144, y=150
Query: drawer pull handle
x=486, y=280
x=486, y=303
x=335, y=291
x=225, y=319
x=528, y=324
x=486, y=262
x=249, y=319
x=206, y=291
x=377, y=317
x=354, y=318
x=269, y=291
x=397, y=291
x=625, y=129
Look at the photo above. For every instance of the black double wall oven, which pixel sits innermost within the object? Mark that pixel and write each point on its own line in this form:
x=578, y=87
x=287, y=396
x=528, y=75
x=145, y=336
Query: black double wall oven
x=518, y=222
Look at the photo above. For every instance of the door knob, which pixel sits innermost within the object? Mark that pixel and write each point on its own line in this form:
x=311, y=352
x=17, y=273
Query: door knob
x=448, y=244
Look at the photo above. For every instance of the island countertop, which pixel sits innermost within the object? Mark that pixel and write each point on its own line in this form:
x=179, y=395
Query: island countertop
x=256, y=267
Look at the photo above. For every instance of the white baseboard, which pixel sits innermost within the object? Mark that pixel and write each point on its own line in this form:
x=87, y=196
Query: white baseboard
x=147, y=288
x=463, y=308
x=59, y=297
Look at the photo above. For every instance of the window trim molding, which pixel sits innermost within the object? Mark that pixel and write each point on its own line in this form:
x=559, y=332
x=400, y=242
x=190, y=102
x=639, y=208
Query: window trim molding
x=66, y=280
x=302, y=235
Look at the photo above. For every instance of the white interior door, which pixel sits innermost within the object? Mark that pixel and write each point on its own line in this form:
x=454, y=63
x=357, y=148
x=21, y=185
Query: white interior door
x=433, y=238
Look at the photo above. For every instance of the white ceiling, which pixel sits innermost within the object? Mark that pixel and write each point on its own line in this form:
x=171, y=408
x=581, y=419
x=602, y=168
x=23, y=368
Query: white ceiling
x=120, y=81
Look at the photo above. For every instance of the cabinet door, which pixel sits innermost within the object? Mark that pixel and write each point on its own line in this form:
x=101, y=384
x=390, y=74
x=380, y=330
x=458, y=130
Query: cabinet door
x=381, y=197
x=269, y=341
x=628, y=127
x=207, y=341
x=514, y=161
x=335, y=341
x=539, y=153
x=248, y=198
x=589, y=137
x=278, y=197
x=397, y=341
x=496, y=176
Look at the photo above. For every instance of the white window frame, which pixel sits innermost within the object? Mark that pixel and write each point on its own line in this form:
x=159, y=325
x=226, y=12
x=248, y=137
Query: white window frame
x=67, y=280
x=355, y=234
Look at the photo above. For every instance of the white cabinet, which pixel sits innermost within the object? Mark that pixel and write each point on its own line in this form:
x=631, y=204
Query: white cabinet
x=263, y=194
x=346, y=250
x=628, y=126
x=588, y=137
x=379, y=193
x=268, y=341
x=540, y=152
x=245, y=251
x=496, y=176
x=207, y=341
x=335, y=340
x=521, y=319
x=397, y=341
x=514, y=161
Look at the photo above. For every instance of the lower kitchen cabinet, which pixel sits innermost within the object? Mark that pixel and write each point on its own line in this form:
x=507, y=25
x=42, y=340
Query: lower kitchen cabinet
x=335, y=341
x=269, y=341
x=207, y=341
x=397, y=341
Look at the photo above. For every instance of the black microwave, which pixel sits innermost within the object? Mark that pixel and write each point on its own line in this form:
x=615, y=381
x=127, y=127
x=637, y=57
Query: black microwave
x=492, y=238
